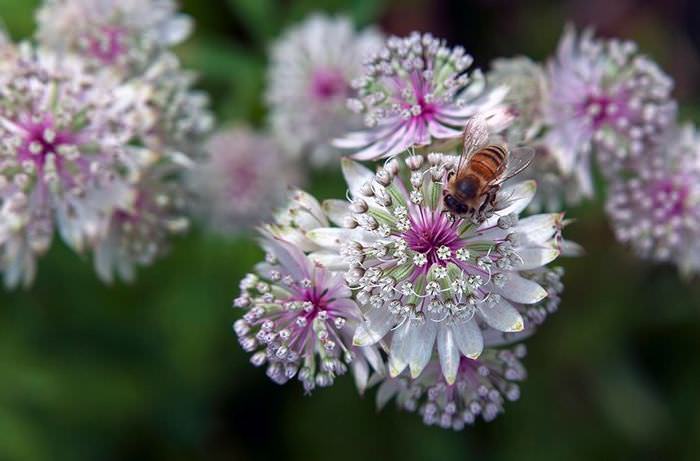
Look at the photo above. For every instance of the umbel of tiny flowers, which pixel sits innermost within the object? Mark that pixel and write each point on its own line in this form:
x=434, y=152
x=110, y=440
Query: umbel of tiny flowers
x=426, y=281
x=243, y=179
x=481, y=388
x=138, y=234
x=416, y=91
x=67, y=156
x=604, y=99
x=655, y=208
x=308, y=82
x=299, y=320
x=120, y=34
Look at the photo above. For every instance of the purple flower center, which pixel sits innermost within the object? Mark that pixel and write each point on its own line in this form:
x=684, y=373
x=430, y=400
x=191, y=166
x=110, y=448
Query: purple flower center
x=41, y=139
x=669, y=198
x=603, y=109
x=430, y=231
x=328, y=84
x=108, y=44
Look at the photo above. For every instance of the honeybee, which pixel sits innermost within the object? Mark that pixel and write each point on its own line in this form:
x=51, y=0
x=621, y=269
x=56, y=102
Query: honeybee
x=473, y=185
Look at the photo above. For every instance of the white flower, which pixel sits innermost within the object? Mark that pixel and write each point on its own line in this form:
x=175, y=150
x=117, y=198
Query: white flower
x=67, y=155
x=655, y=207
x=118, y=33
x=399, y=276
x=607, y=99
x=244, y=179
x=308, y=82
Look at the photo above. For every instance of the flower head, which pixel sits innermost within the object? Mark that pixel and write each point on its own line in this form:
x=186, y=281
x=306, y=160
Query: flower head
x=244, y=178
x=605, y=98
x=417, y=90
x=426, y=280
x=299, y=320
x=309, y=77
x=66, y=155
x=527, y=92
x=656, y=208
x=116, y=33
x=179, y=115
x=139, y=233
x=481, y=388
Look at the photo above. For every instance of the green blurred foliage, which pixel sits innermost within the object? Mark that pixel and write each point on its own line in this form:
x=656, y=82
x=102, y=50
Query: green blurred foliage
x=152, y=370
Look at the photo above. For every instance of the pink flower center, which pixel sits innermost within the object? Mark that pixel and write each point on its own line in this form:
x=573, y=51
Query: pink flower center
x=669, y=198
x=108, y=44
x=42, y=139
x=429, y=232
x=328, y=84
x=604, y=109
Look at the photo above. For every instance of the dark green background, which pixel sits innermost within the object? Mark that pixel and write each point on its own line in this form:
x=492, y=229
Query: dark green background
x=153, y=371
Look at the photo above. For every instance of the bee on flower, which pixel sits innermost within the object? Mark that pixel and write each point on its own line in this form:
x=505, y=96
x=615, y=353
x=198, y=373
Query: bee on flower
x=429, y=281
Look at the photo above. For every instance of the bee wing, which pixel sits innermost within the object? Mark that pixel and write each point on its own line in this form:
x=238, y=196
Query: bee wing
x=476, y=135
x=518, y=159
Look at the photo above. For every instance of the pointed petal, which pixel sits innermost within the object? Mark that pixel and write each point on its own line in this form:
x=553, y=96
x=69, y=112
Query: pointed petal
x=397, y=355
x=532, y=258
x=502, y=316
x=355, y=175
x=468, y=337
x=386, y=392
x=419, y=346
x=360, y=371
x=336, y=210
x=521, y=290
x=333, y=237
x=449, y=354
x=377, y=324
x=513, y=198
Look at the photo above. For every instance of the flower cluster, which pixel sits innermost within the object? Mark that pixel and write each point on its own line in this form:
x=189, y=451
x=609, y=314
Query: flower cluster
x=242, y=181
x=417, y=91
x=309, y=78
x=89, y=151
x=656, y=208
x=122, y=34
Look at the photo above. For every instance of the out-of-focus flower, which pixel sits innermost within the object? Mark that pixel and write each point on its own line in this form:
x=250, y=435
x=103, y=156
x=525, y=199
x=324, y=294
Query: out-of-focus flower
x=605, y=98
x=140, y=233
x=243, y=180
x=656, y=208
x=67, y=155
x=118, y=33
x=416, y=91
x=179, y=115
x=527, y=92
x=300, y=319
x=427, y=279
x=481, y=388
x=311, y=67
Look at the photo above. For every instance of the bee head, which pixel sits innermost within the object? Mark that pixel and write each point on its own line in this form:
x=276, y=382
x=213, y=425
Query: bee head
x=454, y=205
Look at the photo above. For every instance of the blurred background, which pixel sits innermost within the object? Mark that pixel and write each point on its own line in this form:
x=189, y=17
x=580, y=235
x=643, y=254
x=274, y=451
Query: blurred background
x=153, y=371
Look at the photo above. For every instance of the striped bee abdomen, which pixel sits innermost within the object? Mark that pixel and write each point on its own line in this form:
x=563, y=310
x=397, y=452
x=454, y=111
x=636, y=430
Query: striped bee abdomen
x=489, y=162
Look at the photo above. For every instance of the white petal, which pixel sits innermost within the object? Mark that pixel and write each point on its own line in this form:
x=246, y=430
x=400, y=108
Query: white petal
x=377, y=325
x=374, y=358
x=449, y=354
x=419, y=346
x=329, y=260
x=532, y=258
x=468, y=337
x=569, y=248
x=539, y=229
x=355, y=175
x=336, y=210
x=386, y=392
x=513, y=198
x=333, y=237
x=360, y=371
x=397, y=356
x=502, y=316
x=521, y=290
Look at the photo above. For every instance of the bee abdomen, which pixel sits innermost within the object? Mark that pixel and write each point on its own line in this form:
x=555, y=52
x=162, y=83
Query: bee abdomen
x=490, y=160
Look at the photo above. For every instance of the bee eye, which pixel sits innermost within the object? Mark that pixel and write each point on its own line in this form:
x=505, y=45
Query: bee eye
x=450, y=202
